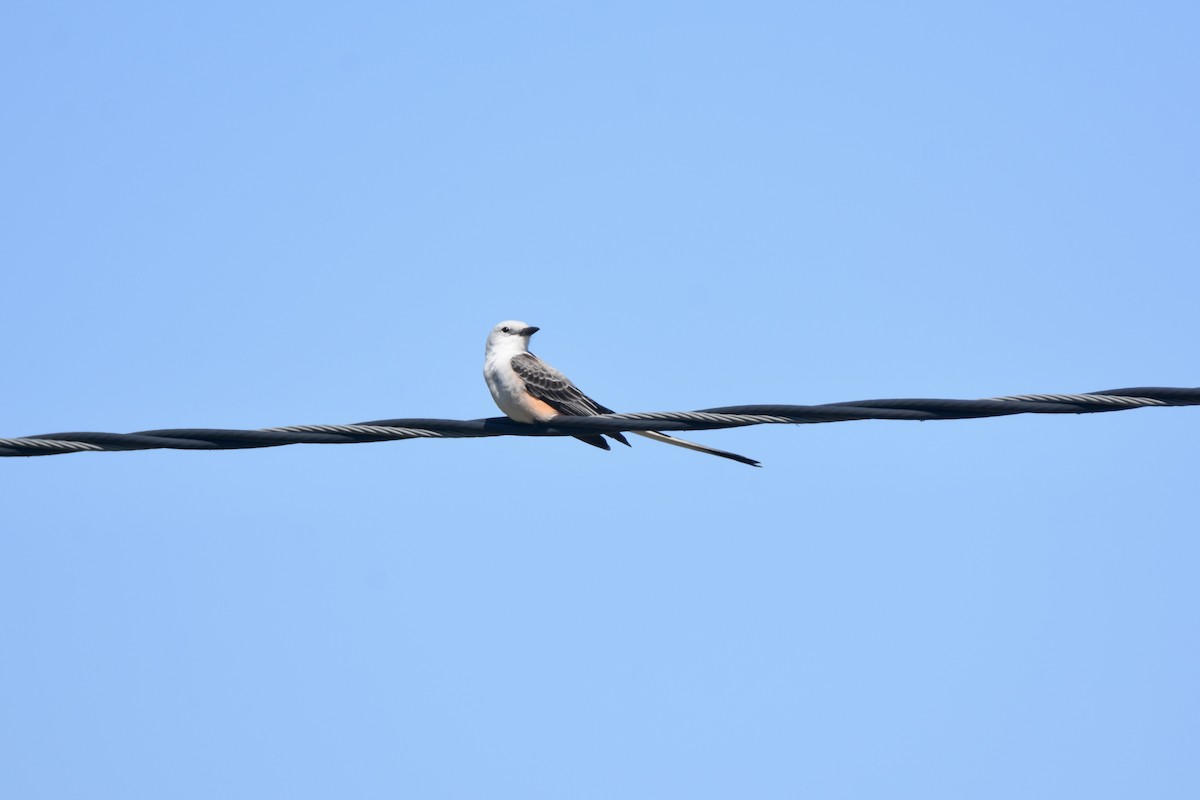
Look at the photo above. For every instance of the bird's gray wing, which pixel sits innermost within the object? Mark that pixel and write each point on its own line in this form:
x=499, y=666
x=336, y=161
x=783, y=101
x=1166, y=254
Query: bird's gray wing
x=556, y=390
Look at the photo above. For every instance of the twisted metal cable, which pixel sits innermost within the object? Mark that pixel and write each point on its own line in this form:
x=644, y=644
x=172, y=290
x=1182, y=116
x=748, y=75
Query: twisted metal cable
x=49, y=444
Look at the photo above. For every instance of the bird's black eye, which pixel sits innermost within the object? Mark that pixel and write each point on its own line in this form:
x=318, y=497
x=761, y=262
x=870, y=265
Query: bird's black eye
x=506, y=329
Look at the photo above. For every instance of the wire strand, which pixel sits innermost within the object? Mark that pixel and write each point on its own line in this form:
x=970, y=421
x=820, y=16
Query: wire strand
x=49, y=444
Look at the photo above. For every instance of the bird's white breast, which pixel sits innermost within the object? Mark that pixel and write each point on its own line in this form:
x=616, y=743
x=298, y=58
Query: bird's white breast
x=507, y=388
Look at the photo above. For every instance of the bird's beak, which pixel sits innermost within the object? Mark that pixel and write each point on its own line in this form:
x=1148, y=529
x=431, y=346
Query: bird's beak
x=530, y=331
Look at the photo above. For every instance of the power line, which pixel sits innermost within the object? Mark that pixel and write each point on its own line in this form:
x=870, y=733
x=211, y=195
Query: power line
x=49, y=444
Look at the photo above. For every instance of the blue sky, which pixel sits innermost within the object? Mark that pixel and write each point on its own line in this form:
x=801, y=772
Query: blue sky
x=220, y=215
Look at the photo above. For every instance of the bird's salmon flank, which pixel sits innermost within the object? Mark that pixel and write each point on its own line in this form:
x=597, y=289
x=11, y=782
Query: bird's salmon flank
x=528, y=389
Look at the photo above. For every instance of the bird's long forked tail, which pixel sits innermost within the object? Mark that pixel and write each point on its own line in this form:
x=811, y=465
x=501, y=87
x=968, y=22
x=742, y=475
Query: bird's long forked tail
x=665, y=439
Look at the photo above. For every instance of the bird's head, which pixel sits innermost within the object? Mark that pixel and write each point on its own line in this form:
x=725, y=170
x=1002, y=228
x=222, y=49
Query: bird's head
x=511, y=333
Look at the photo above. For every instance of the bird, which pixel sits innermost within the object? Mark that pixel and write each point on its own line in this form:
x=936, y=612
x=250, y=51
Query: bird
x=529, y=390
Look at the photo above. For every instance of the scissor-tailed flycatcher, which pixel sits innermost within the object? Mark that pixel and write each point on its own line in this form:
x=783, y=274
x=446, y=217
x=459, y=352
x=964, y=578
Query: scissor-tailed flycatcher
x=529, y=390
